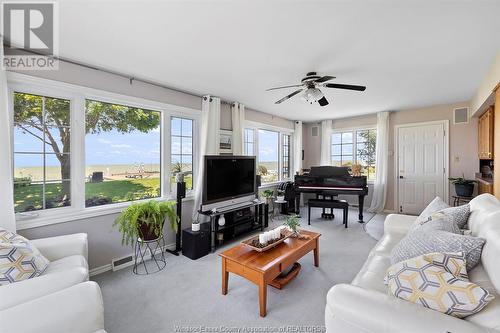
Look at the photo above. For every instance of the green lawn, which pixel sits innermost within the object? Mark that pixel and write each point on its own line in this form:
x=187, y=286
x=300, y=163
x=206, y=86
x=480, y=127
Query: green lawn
x=30, y=197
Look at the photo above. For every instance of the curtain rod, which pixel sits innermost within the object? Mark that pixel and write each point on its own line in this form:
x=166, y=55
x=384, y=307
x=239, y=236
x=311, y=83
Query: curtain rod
x=104, y=70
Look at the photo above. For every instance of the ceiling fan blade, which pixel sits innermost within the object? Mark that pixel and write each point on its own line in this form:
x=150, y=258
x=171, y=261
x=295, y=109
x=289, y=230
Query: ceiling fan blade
x=345, y=86
x=292, y=86
x=323, y=101
x=289, y=96
x=324, y=79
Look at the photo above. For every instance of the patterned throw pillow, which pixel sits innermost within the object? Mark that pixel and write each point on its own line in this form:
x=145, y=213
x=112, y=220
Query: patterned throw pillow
x=435, y=205
x=422, y=241
x=439, y=221
x=20, y=261
x=458, y=215
x=422, y=281
x=451, y=262
x=8, y=237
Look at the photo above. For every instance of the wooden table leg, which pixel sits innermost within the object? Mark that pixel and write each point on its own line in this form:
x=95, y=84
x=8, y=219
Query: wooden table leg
x=316, y=253
x=225, y=277
x=262, y=297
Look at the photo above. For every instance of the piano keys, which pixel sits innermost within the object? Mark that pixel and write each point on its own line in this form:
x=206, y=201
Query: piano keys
x=330, y=181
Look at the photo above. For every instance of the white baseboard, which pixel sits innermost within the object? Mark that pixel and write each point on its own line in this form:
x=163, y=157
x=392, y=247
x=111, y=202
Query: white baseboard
x=108, y=267
x=390, y=211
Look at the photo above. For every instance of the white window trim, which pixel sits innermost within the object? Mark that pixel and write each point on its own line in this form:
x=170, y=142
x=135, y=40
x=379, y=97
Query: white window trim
x=280, y=130
x=354, y=140
x=77, y=95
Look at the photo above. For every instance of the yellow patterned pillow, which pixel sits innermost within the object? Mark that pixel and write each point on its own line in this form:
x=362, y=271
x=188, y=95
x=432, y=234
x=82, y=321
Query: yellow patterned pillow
x=429, y=282
x=20, y=261
x=8, y=237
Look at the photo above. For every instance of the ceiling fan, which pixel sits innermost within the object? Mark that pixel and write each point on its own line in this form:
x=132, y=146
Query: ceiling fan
x=310, y=86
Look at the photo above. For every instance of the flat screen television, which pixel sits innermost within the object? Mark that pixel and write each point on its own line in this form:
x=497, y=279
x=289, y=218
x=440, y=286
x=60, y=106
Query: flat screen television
x=228, y=180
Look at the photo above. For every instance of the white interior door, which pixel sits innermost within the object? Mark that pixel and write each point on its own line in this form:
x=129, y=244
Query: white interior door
x=421, y=166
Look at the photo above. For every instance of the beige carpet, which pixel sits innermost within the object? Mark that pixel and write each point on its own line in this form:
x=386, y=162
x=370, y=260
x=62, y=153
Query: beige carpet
x=186, y=295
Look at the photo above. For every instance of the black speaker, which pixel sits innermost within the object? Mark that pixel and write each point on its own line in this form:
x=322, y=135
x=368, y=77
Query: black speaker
x=196, y=244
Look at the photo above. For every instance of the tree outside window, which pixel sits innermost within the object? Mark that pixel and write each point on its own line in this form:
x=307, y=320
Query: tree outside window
x=355, y=146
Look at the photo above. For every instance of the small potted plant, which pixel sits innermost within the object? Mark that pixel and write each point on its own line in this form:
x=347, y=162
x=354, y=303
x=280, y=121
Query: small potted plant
x=268, y=195
x=463, y=187
x=292, y=222
x=280, y=196
x=144, y=221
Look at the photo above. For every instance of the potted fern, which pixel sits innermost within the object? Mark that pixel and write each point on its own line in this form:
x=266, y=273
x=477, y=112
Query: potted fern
x=144, y=221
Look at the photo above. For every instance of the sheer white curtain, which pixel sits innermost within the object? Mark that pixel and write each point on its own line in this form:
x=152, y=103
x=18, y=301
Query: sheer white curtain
x=382, y=159
x=238, y=120
x=326, y=140
x=7, y=217
x=297, y=147
x=209, y=140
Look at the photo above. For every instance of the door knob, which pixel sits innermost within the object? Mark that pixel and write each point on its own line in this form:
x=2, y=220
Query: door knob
x=401, y=177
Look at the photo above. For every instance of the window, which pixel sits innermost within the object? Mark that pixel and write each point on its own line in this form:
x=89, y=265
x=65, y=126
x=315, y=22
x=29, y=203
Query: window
x=355, y=146
x=181, y=149
x=42, y=141
x=122, y=153
x=249, y=143
x=286, y=156
x=366, y=151
x=73, y=152
x=268, y=157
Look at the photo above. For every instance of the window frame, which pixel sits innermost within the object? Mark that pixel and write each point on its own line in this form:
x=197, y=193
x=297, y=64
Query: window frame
x=77, y=95
x=44, y=153
x=189, y=192
x=354, y=131
x=255, y=126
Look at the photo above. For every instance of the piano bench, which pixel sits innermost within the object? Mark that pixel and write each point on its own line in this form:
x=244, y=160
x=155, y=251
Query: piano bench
x=319, y=203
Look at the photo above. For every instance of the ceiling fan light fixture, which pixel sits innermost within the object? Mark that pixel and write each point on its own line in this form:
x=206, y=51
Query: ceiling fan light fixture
x=312, y=95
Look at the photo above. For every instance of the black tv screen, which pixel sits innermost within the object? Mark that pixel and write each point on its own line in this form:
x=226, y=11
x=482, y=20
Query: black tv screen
x=228, y=177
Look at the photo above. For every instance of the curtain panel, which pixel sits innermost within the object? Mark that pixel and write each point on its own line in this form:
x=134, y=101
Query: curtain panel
x=326, y=140
x=297, y=147
x=7, y=216
x=382, y=158
x=209, y=143
x=238, y=121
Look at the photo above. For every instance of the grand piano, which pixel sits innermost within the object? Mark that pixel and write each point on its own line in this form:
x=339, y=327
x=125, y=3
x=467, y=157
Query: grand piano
x=330, y=181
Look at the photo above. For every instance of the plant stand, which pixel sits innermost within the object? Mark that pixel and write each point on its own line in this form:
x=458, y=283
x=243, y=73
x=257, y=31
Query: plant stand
x=149, y=253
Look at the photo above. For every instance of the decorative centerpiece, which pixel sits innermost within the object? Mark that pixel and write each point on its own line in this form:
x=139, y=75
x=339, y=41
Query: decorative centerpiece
x=268, y=239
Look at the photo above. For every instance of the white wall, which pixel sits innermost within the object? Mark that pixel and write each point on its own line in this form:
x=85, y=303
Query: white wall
x=463, y=140
x=483, y=97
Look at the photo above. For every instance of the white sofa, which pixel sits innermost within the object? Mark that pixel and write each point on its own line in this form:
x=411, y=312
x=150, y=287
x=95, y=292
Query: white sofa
x=61, y=299
x=364, y=305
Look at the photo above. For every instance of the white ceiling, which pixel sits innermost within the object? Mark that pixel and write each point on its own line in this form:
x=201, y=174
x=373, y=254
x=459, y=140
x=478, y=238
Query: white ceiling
x=408, y=53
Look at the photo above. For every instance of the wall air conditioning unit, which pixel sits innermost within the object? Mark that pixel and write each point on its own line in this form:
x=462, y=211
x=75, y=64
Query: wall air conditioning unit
x=461, y=116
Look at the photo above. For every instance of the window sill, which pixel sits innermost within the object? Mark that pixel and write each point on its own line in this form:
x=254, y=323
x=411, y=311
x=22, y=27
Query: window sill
x=71, y=215
x=272, y=184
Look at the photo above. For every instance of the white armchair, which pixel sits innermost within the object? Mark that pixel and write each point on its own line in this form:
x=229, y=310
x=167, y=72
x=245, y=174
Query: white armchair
x=77, y=309
x=61, y=299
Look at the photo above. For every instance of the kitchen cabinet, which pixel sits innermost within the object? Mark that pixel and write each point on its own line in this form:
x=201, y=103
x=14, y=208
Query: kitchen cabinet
x=486, y=135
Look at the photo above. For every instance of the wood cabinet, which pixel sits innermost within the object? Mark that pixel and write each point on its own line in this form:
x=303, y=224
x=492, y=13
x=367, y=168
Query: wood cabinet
x=486, y=135
x=484, y=188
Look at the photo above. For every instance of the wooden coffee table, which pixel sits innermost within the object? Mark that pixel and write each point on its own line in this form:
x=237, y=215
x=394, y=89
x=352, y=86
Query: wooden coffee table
x=262, y=268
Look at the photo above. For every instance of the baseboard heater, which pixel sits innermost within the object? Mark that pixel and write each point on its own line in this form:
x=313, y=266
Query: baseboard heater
x=119, y=263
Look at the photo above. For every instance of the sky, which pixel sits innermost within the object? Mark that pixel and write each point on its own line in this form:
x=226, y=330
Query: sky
x=112, y=147
x=268, y=146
